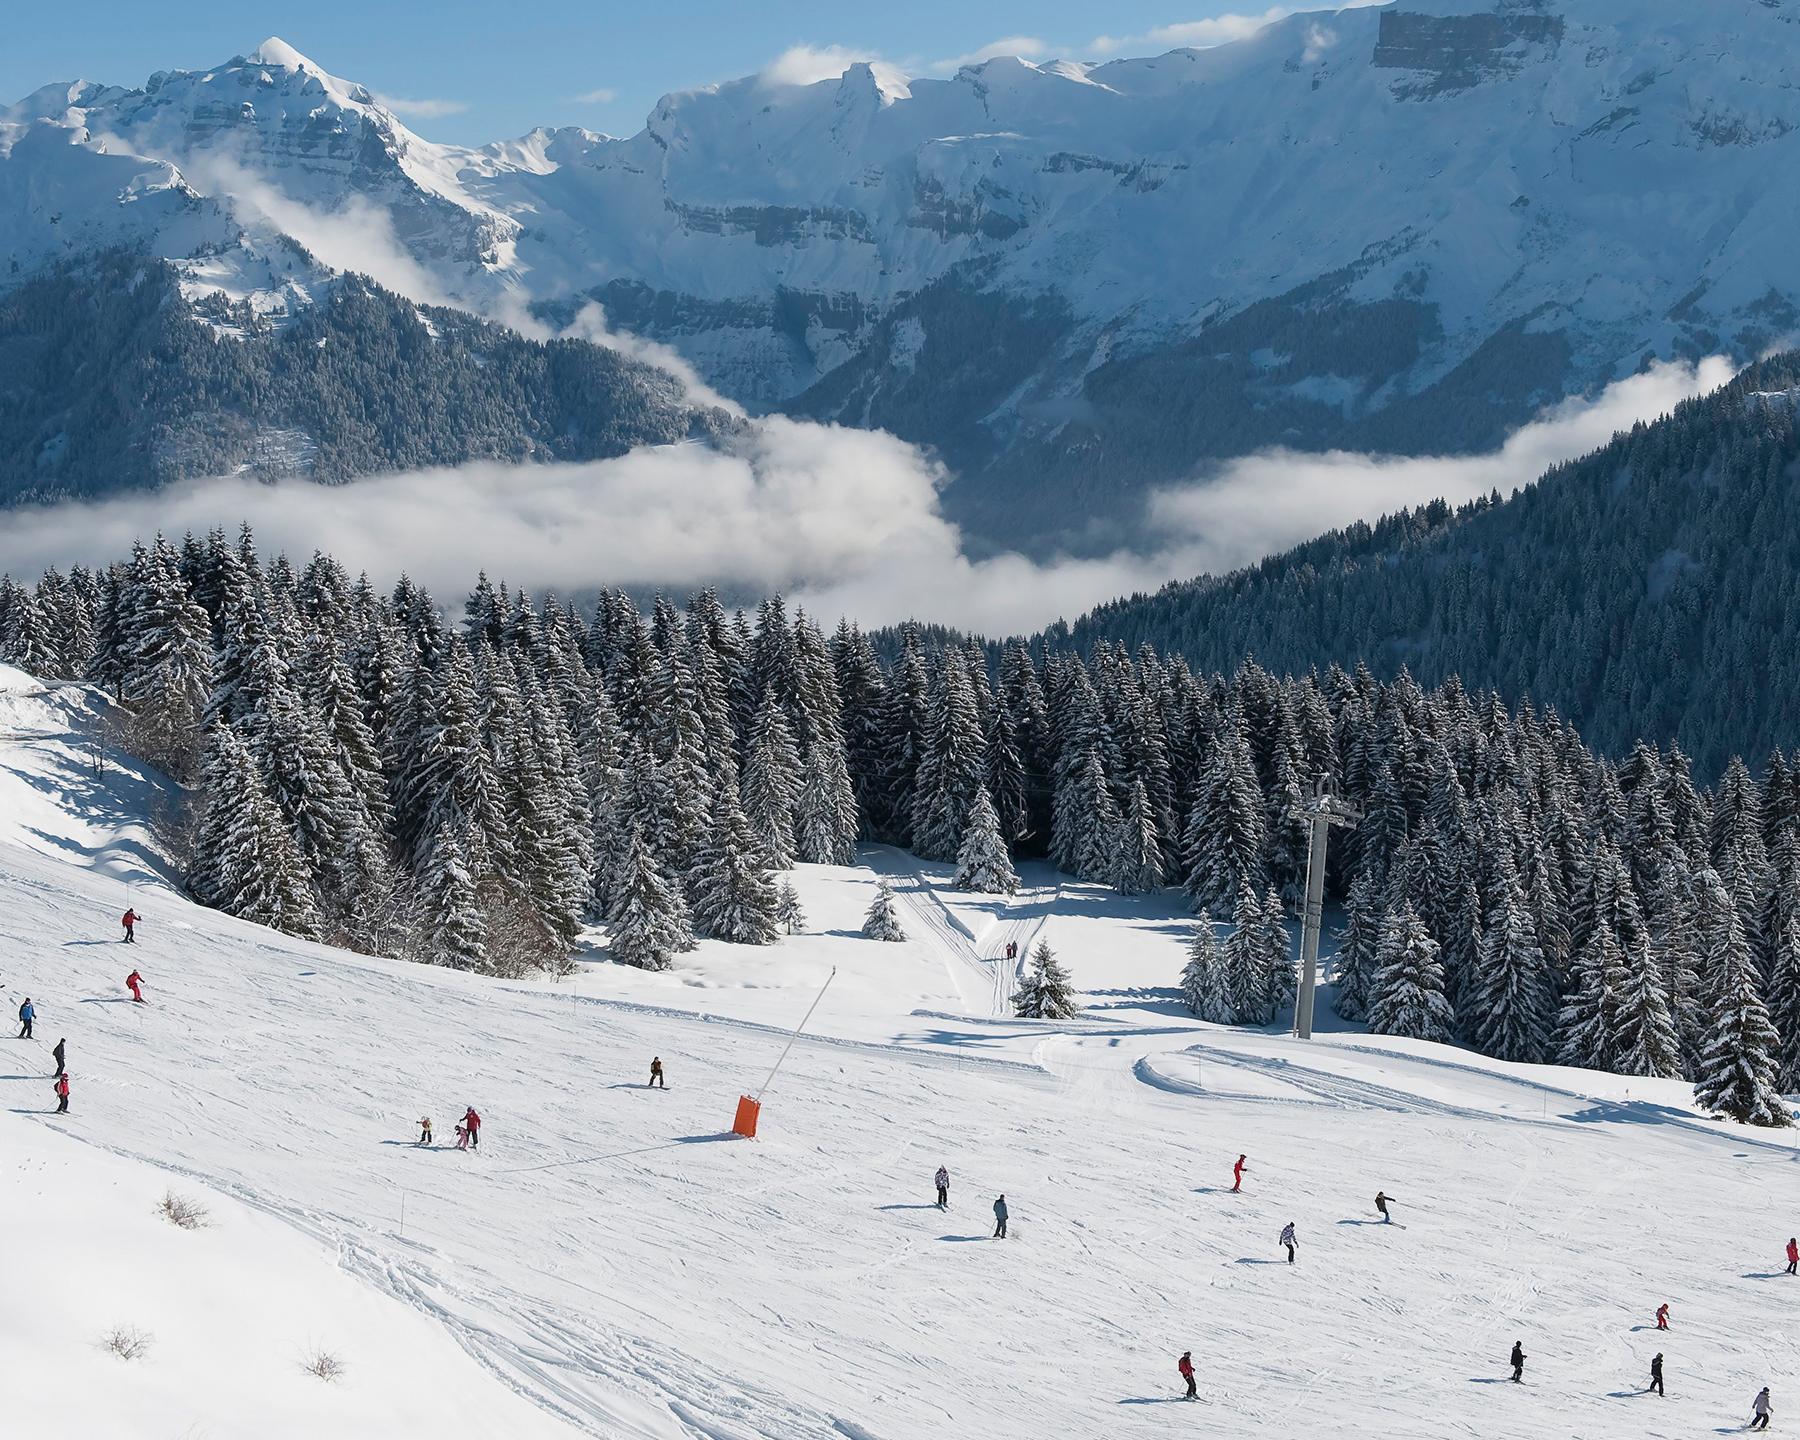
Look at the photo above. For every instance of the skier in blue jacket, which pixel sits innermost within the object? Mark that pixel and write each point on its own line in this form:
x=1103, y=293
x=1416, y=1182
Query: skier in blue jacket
x=27, y=1013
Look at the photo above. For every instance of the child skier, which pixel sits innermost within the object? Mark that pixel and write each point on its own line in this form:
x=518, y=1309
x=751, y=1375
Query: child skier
x=1662, y=1316
x=1288, y=1239
x=462, y=1136
x=134, y=982
x=1237, y=1175
x=62, y=1093
x=1185, y=1366
x=424, y=1129
x=943, y=1188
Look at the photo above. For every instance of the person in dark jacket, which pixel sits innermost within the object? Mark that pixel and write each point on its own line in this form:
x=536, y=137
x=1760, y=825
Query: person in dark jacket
x=1518, y=1362
x=1381, y=1204
x=62, y=1093
x=57, y=1055
x=943, y=1188
x=1656, y=1374
x=1185, y=1366
x=656, y=1075
x=1000, y=1218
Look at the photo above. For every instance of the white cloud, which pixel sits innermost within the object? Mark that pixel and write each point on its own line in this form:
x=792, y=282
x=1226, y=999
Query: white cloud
x=421, y=109
x=1027, y=47
x=809, y=64
x=844, y=521
x=602, y=96
x=1212, y=30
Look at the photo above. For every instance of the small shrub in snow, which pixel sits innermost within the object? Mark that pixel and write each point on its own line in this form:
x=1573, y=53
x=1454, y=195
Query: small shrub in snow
x=324, y=1364
x=184, y=1211
x=127, y=1342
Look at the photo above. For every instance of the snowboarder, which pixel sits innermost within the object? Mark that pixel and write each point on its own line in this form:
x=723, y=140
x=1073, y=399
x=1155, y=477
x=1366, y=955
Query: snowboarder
x=1759, y=1417
x=1186, y=1366
x=1518, y=1362
x=656, y=1075
x=129, y=920
x=472, y=1123
x=1381, y=1204
x=27, y=1013
x=943, y=1188
x=1655, y=1374
x=1662, y=1316
x=134, y=982
x=57, y=1055
x=1237, y=1175
x=1793, y=1254
x=425, y=1130
x=1000, y=1218
x=62, y=1093
x=1288, y=1239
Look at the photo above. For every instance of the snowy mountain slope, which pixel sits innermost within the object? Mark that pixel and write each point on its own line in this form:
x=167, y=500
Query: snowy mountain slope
x=1402, y=227
x=611, y=1257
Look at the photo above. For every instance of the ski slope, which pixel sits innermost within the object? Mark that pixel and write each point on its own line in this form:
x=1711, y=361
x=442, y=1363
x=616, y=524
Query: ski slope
x=613, y=1258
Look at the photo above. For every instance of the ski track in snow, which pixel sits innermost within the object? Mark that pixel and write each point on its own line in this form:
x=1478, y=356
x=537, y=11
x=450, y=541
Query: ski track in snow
x=610, y=1254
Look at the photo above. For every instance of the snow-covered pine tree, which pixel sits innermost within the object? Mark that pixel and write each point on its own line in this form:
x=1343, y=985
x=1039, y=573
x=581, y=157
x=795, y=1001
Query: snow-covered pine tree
x=982, y=864
x=1202, y=981
x=788, y=912
x=1588, y=1026
x=882, y=922
x=1245, y=963
x=733, y=897
x=1359, y=948
x=771, y=783
x=953, y=765
x=648, y=918
x=905, y=718
x=1511, y=996
x=1739, y=1069
x=1225, y=832
x=245, y=861
x=825, y=815
x=1644, y=1037
x=1093, y=811
x=1138, y=861
x=1045, y=992
x=1280, y=982
x=454, y=934
x=1406, y=992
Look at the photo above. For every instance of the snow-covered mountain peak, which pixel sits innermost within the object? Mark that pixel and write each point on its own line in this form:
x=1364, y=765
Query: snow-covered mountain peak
x=276, y=51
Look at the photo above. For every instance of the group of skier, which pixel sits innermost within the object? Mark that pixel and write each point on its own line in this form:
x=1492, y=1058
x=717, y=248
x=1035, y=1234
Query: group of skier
x=1760, y=1407
x=468, y=1130
x=134, y=982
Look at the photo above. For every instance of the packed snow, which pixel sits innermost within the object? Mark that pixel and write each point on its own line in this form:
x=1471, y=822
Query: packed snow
x=613, y=1256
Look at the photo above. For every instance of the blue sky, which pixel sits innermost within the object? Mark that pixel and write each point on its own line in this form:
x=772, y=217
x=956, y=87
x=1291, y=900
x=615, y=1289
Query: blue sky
x=474, y=72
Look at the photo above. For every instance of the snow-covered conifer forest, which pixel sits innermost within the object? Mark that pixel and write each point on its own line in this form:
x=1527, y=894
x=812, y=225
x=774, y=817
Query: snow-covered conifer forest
x=468, y=785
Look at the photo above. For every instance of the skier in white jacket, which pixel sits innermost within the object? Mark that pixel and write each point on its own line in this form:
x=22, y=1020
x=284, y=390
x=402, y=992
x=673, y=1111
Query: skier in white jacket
x=1287, y=1239
x=1759, y=1419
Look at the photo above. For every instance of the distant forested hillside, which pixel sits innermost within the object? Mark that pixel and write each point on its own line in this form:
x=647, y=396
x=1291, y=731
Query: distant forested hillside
x=110, y=379
x=1651, y=589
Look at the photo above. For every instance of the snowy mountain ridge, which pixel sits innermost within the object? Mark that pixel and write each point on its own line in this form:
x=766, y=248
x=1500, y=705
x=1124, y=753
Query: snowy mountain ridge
x=1400, y=228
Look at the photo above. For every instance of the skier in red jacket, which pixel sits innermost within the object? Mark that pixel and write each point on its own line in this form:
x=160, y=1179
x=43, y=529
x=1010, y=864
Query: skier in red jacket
x=129, y=920
x=1662, y=1316
x=1186, y=1366
x=1237, y=1175
x=134, y=983
x=62, y=1093
x=472, y=1123
x=1793, y=1255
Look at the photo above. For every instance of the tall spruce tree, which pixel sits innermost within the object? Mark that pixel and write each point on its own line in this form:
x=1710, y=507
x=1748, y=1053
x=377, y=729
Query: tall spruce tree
x=982, y=864
x=733, y=897
x=1406, y=993
x=648, y=918
x=1202, y=978
x=1739, y=1068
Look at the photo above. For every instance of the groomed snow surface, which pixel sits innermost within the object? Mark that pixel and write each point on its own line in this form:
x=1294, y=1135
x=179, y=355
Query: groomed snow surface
x=612, y=1263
